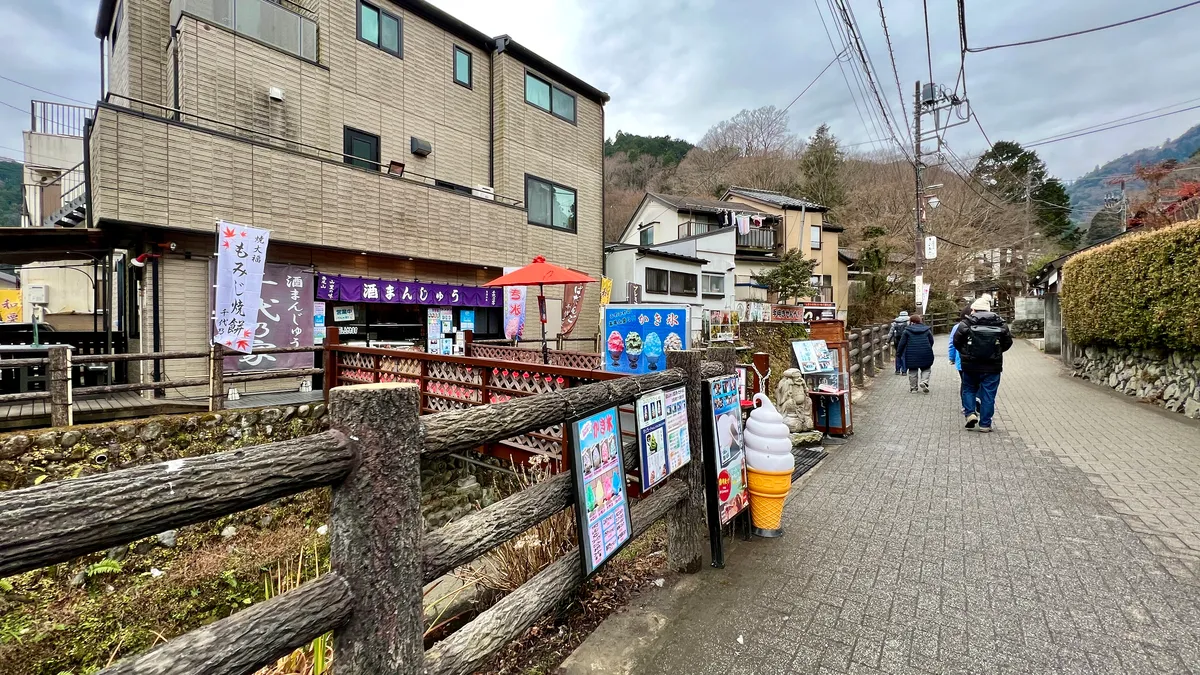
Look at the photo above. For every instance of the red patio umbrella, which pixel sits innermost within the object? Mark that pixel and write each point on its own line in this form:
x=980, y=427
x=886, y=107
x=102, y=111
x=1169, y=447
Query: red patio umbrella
x=541, y=273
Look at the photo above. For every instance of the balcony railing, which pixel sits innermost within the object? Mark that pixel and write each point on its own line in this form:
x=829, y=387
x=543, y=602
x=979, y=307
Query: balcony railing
x=693, y=227
x=281, y=24
x=57, y=200
x=57, y=119
x=761, y=239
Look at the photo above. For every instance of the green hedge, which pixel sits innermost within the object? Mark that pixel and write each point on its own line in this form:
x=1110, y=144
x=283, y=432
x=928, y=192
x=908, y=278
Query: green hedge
x=1141, y=291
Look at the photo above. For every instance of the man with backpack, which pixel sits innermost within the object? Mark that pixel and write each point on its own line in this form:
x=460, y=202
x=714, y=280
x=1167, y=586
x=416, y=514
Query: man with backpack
x=895, y=332
x=981, y=340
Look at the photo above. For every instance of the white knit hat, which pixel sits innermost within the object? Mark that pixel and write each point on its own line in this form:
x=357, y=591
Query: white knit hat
x=983, y=304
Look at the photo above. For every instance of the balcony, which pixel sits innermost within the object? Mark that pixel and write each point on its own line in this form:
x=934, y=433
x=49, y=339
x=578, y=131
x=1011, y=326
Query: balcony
x=694, y=227
x=57, y=119
x=762, y=239
x=284, y=25
x=56, y=201
x=187, y=174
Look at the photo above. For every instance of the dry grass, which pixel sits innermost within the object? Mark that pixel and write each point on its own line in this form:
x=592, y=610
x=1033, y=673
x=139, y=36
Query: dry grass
x=315, y=658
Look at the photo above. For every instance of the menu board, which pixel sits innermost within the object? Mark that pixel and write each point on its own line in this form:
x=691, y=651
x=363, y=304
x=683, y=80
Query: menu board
x=602, y=507
x=725, y=461
x=662, y=434
x=813, y=356
x=637, y=337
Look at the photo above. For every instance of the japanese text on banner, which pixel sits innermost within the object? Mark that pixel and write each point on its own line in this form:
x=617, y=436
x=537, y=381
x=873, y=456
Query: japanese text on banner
x=241, y=259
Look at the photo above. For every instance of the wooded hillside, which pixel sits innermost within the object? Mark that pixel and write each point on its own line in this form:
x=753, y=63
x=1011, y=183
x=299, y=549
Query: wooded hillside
x=10, y=193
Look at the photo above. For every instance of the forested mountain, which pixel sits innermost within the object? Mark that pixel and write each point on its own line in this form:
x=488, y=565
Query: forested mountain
x=1087, y=193
x=10, y=194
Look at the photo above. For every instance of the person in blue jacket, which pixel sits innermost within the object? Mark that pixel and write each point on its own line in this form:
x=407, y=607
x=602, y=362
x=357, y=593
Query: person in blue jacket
x=916, y=345
x=955, y=357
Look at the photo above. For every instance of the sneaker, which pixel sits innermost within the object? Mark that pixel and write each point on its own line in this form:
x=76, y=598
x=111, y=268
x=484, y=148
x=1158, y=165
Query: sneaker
x=925, y=387
x=912, y=390
x=985, y=430
x=972, y=420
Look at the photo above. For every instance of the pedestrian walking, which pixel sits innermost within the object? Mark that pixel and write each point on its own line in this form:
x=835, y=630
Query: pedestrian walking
x=955, y=357
x=916, y=344
x=981, y=340
x=894, y=333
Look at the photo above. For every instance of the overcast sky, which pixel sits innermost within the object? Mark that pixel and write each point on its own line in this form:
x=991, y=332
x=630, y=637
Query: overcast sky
x=678, y=66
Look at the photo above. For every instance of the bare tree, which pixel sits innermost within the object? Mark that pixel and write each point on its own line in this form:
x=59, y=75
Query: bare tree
x=753, y=133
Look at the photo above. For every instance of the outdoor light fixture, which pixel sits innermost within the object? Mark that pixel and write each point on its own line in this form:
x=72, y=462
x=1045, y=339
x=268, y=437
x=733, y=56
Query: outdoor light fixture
x=140, y=261
x=396, y=168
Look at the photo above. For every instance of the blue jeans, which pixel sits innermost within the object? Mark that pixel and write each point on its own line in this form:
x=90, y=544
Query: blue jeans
x=982, y=386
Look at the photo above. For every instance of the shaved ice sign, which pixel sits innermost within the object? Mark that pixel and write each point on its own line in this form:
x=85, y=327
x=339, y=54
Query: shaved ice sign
x=637, y=337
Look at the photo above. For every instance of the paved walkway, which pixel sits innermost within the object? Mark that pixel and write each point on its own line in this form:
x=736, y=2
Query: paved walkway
x=1064, y=542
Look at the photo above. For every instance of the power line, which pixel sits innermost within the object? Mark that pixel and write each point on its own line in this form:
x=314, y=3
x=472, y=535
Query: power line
x=869, y=72
x=814, y=81
x=20, y=110
x=976, y=50
x=1119, y=119
x=849, y=89
x=928, y=47
x=50, y=93
x=1109, y=128
x=895, y=72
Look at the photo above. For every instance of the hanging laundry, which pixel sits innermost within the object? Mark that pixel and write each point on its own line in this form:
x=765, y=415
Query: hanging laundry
x=757, y=220
x=743, y=224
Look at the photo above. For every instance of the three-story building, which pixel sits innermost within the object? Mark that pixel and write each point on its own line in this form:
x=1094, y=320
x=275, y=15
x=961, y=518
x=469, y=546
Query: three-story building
x=378, y=138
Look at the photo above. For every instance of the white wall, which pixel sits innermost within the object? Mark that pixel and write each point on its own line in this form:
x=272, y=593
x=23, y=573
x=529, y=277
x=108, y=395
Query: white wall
x=46, y=157
x=650, y=210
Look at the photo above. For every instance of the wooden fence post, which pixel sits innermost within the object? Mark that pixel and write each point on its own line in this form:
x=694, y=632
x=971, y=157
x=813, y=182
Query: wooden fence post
x=376, y=523
x=61, y=414
x=866, y=347
x=856, y=359
x=685, y=523
x=216, y=378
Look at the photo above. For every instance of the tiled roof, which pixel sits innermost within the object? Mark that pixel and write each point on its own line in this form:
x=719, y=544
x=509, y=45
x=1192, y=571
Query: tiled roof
x=777, y=198
x=704, y=205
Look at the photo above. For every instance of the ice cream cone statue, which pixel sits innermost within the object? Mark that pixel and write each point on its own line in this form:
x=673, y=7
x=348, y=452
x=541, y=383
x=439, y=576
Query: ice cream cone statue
x=769, y=463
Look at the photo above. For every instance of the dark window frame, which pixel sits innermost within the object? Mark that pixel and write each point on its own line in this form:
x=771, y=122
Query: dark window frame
x=347, y=134
x=684, y=293
x=649, y=229
x=529, y=215
x=666, y=287
x=118, y=16
x=550, y=109
x=399, y=53
x=454, y=52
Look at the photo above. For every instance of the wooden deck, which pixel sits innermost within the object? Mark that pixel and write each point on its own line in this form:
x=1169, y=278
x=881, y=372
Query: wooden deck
x=125, y=405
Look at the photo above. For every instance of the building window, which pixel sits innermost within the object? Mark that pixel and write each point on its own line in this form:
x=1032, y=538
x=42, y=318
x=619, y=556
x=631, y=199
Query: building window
x=379, y=28
x=462, y=67
x=646, y=236
x=361, y=149
x=683, y=284
x=656, y=280
x=550, y=204
x=116, y=27
x=712, y=284
x=453, y=186
x=814, y=236
x=550, y=98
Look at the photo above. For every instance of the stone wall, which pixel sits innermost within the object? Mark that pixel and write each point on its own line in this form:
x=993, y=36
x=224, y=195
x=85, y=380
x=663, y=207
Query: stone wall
x=1167, y=379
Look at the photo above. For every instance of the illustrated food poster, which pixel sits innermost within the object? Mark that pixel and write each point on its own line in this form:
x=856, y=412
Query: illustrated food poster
x=662, y=434
x=602, y=506
x=637, y=337
x=813, y=356
x=726, y=462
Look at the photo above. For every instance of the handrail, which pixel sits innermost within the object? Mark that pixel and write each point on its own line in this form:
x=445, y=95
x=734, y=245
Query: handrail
x=381, y=169
x=57, y=119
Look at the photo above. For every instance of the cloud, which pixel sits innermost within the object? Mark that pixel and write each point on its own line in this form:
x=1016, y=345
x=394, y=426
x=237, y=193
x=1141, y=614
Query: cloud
x=679, y=66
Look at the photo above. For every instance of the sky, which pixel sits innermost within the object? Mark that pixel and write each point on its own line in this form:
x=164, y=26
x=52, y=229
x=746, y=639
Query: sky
x=678, y=66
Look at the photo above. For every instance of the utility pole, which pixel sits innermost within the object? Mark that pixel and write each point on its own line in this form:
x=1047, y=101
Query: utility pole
x=1027, y=242
x=918, y=169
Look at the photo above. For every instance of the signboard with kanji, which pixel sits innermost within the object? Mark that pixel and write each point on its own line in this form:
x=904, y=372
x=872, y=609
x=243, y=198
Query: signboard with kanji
x=241, y=259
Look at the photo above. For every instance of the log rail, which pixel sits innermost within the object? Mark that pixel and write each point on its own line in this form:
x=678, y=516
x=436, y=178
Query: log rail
x=380, y=559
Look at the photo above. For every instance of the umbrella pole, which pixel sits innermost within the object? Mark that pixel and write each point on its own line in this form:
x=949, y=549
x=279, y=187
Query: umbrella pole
x=542, y=316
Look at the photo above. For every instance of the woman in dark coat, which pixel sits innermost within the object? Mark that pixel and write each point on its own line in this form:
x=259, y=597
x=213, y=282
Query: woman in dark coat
x=916, y=345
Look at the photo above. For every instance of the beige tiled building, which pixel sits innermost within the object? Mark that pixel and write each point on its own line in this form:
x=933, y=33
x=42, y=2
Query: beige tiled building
x=383, y=138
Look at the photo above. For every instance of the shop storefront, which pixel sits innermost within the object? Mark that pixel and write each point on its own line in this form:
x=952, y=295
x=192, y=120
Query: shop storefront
x=408, y=314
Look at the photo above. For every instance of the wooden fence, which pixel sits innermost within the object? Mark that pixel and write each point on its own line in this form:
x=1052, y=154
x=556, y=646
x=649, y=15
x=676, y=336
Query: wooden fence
x=869, y=350
x=372, y=598
x=61, y=389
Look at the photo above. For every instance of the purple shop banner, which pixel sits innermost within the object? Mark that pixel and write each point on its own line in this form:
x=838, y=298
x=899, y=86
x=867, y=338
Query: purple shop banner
x=357, y=289
x=285, y=319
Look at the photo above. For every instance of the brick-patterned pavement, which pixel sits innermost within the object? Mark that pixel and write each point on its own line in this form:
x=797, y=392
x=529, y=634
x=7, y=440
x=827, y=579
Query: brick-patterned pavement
x=1060, y=543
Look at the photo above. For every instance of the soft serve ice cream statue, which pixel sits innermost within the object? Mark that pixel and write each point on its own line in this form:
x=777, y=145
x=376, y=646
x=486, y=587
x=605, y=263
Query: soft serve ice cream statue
x=767, y=439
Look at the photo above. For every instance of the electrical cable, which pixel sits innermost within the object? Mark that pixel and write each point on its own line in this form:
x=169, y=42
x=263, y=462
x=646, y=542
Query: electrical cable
x=976, y=50
x=866, y=127
x=814, y=81
x=1110, y=128
x=871, y=76
x=49, y=93
x=1119, y=119
x=928, y=44
x=895, y=73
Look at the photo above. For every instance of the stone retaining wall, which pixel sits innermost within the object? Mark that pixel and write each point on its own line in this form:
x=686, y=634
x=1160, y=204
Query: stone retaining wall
x=1167, y=379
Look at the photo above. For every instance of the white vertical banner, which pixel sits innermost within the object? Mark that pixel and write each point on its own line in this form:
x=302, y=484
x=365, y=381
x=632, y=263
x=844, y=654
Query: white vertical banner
x=924, y=297
x=241, y=258
x=918, y=285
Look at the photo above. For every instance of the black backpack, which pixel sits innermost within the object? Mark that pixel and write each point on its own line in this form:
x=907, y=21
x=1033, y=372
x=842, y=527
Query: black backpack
x=983, y=343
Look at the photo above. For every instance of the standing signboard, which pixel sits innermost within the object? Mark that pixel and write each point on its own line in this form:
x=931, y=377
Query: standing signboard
x=723, y=325
x=812, y=356
x=10, y=305
x=319, y=330
x=724, y=461
x=662, y=434
x=599, y=473
x=820, y=311
x=787, y=314
x=637, y=337
x=241, y=257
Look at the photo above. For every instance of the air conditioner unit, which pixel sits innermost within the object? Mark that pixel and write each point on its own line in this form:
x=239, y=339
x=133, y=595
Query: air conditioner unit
x=484, y=192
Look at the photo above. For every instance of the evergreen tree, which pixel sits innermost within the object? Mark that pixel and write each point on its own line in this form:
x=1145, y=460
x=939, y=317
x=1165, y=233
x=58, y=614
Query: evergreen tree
x=1015, y=174
x=821, y=169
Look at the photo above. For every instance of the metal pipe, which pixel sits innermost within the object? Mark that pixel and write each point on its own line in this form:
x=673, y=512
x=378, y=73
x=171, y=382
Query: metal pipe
x=157, y=328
